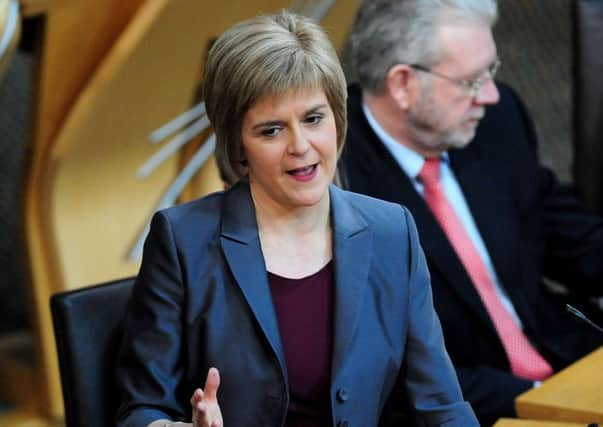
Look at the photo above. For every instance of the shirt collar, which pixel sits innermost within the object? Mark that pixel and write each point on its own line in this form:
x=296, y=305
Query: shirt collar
x=409, y=160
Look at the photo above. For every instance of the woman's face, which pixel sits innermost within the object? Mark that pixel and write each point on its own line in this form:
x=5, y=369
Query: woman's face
x=290, y=144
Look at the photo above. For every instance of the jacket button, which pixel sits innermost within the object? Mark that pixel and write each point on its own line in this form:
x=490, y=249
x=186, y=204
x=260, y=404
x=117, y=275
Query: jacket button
x=342, y=395
x=342, y=423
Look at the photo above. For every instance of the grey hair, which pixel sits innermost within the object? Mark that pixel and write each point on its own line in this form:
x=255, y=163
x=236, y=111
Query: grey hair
x=390, y=32
x=262, y=56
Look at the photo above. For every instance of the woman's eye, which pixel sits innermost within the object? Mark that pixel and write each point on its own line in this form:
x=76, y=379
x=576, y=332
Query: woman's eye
x=271, y=131
x=314, y=118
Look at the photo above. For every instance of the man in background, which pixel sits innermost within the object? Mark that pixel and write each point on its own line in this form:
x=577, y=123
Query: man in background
x=430, y=129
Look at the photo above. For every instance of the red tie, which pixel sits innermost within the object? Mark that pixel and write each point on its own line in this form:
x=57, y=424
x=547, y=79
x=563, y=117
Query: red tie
x=523, y=357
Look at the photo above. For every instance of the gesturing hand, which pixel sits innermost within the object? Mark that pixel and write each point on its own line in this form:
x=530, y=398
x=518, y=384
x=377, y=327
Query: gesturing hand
x=206, y=411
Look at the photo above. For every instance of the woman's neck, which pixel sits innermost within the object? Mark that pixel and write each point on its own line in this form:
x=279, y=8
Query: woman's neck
x=275, y=218
x=295, y=242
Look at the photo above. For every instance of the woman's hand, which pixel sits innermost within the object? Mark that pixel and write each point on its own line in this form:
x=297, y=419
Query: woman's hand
x=206, y=411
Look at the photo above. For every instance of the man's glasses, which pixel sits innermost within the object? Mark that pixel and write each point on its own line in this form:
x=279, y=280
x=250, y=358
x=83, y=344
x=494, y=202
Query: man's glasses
x=471, y=86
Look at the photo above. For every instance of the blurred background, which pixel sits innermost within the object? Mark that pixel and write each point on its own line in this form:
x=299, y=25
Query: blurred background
x=71, y=143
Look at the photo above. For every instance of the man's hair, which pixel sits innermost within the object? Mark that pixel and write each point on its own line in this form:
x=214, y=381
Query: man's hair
x=267, y=56
x=390, y=32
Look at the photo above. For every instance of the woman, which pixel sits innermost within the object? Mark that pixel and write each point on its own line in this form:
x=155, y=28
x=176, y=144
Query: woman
x=311, y=305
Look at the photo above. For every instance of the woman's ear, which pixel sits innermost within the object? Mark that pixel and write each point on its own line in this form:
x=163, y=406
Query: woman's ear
x=399, y=85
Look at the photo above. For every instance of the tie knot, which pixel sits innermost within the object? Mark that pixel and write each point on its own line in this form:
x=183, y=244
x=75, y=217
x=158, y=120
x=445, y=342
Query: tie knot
x=430, y=173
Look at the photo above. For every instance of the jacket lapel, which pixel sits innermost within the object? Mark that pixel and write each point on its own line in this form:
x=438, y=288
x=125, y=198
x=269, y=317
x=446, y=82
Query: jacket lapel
x=352, y=244
x=241, y=245
x=489, y=204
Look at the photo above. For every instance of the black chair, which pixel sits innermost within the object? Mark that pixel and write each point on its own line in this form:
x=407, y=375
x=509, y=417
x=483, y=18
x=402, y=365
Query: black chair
x=88, y=329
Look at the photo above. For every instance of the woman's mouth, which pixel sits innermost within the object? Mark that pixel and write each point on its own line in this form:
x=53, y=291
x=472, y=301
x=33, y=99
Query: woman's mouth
x=304, y=174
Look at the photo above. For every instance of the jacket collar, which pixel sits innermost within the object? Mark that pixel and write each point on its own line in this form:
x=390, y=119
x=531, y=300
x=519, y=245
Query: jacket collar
x=352, y=248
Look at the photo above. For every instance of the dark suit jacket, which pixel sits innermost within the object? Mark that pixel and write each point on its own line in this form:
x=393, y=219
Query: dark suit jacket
x=202, y=299
x=531, y=227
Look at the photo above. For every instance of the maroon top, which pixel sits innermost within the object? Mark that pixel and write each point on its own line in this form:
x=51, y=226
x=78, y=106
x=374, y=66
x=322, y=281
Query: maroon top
x=304, y=308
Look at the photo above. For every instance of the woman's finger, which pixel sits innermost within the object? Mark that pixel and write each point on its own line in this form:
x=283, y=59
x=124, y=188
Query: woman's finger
x=196, y=397
x=212, y=383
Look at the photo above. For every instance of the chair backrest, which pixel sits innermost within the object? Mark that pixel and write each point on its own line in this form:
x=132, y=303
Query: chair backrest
x=88, y=330
x=588, y=101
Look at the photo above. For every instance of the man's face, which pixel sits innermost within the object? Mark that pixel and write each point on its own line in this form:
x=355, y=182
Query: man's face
x=445, y=113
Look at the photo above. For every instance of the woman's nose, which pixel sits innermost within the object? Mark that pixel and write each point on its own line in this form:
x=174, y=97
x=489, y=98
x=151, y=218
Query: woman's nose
x=299, y=143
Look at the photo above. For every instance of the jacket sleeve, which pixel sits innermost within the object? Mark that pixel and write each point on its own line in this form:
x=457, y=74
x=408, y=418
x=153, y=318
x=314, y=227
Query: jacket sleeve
x=573, y=234
x=431, y=383
x=574, y=239
x=149, y=369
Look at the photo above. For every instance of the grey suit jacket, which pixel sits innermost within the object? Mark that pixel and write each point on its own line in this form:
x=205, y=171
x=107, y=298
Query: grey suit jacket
x=202, y=299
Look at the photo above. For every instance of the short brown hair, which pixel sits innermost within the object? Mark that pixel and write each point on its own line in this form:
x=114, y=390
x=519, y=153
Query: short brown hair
x=267, y=55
